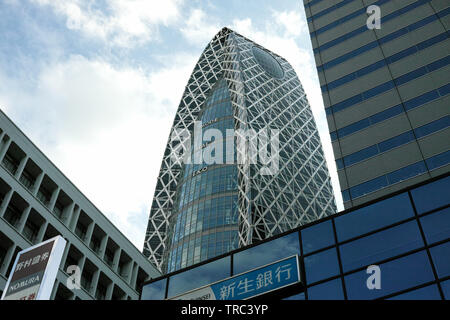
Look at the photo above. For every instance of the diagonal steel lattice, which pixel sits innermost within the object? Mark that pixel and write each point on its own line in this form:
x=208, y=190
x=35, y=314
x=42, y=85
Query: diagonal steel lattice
x=299, y=192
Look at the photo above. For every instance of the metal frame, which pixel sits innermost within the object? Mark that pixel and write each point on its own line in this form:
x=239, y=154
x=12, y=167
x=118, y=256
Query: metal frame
x=299, y=193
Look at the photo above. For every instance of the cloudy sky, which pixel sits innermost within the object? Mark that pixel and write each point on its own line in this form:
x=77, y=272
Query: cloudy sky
x=96, y=84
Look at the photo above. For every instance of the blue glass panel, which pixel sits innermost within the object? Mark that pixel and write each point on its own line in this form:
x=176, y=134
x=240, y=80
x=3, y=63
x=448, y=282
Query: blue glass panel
x=446, y=289
x=199, y=276
x=432, y=126
x=333, y=135
x=407, y=172
x=444, y=90
x=436, y=226
x=438, y=64
x=438, y=160
x=381, y=245
x=422, y=99
x=396, y=141
x=331, y=290
x=347, y=103
x=396, y=275
x=429, y=42
x=345, y=195
x=441, y=259
x=360, y=155
x=317, y=237
x=386, y=114
x=368, y=186
x=426, y=293
x=154, y=291
x=266, y=253
x=432, y=195
x=364, y=123
x=410, y=76
x=401, y=54
x=370, y=68
x=300, y=296
x=378, y=89
x=339, y=164
x=321, y=265
x=373, y=217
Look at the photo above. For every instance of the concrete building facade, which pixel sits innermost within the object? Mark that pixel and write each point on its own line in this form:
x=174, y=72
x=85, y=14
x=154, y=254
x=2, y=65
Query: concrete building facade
x=37, y=202
x=385, y=91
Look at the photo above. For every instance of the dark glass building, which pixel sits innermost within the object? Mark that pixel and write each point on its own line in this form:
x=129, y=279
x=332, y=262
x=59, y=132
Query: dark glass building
x=406, y=235
x=255, y=167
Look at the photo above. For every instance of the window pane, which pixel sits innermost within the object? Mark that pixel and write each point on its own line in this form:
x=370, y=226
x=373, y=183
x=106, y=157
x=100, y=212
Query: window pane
x=426, y=293
x=407, y=172
x=436, y=226
x=200, y=276
x=368, y=186
x=381, y=245
x=317, y=237
x=432, y=195
x=396, y=275
x=300, y=296
x=331, y=290
x=373, y=217
x=446, y=288
x=266, y=253
x=321, y=265
x=154, y=291
x=440, y=255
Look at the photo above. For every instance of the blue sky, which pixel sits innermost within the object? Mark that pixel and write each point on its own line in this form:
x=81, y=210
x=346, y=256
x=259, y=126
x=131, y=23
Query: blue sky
x=95, y=84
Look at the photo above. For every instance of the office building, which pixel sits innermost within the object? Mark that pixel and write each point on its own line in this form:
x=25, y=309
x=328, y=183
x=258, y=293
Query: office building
x=405, y=235
x=385, y=91
x=37, y=202
x=276, y=181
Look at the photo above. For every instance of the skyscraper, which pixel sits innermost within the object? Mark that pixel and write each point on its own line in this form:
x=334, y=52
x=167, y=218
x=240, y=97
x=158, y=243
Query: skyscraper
x=386, y=91
x=254, y=167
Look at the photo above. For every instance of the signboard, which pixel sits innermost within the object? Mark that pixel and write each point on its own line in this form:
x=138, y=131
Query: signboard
x=34, y=271
x=249, y=284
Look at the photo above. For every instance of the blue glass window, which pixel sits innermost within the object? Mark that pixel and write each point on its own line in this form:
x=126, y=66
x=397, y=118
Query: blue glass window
x=432, y=127
x=407, y=172
x=438, y=160
x=321, y=265
x=345, y=195
x=317, y=237
x=432, y=195
x=436, y=226
x=396, y=275
x=154, y=291
x=422, y=99
x=266, y=253
x=446, y=289
x=331, y=290
x=368, y=186
x=381, y=245
x=300, y=296
x=364, y=123
x=440, y=255
x=426, y=293
x=396, y=141
x=360, y=155
x=410, y=76
x=199, y=276
x=373, y=217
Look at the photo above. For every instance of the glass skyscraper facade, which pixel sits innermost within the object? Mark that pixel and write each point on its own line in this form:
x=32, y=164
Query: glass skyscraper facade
x=385, y=91
x=269, y=174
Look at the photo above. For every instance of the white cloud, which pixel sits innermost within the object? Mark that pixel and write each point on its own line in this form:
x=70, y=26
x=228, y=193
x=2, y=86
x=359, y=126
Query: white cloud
x=200, y=28
x=123, y=23
x=105, y=128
